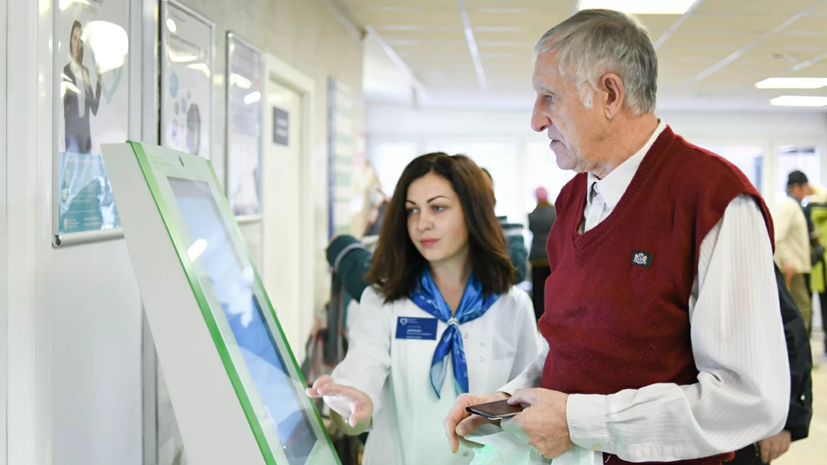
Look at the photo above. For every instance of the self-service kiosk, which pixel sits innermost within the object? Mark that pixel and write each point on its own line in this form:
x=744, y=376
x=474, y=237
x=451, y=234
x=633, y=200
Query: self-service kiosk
x=236, y=389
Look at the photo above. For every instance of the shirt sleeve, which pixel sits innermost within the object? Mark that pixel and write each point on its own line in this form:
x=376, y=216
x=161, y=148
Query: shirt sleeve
x=742, y=393
x=532, y=375
x=368, y=361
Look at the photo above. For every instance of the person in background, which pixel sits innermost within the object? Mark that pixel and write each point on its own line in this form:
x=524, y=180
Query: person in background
x=377, y=214
x=441, y=317
x=665, y=341
x=792, y=243
x=540, y=222
x=817, y=212
x=349, y=257
x=800, y=413
x=513, y=238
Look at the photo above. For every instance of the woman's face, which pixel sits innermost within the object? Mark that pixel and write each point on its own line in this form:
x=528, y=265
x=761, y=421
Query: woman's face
x=436, y=222
x=74, y=43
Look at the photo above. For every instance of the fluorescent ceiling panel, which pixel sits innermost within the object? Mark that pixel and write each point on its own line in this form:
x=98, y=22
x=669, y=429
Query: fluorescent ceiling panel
x=792, y=83
x=798, y=101
x=640, y=7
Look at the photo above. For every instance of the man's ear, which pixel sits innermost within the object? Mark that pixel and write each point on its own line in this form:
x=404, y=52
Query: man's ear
x=611, y=86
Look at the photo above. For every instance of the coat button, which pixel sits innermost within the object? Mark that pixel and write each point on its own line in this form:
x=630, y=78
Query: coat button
x=482, y=344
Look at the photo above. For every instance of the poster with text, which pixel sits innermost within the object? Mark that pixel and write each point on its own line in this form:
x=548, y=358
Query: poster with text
x=244, y=131
x=91, y=108
x=342, y=146
x=186, y=83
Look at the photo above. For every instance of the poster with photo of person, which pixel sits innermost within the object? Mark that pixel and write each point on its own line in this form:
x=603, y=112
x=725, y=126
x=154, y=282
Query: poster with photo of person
x=186, y=83
x=91, y=108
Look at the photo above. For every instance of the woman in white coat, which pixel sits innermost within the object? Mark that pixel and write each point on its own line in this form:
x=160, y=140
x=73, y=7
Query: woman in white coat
x=440, y=318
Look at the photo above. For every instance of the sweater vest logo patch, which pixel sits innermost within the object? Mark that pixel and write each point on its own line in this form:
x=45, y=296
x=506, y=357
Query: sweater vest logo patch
x=640, y=258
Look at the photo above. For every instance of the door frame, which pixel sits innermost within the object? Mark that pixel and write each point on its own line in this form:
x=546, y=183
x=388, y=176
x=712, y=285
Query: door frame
x=290, y=77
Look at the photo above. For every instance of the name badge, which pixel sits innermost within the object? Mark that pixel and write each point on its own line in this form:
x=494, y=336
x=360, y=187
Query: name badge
x=416, y=328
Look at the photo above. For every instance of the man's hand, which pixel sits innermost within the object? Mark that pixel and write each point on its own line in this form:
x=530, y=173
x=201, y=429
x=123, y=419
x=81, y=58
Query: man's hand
x=775, y=446
x=543, y=420
x=460, y=423
x=790, y=271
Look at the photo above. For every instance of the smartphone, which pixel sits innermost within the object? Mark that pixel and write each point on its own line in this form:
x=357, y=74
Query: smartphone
x=495, y=410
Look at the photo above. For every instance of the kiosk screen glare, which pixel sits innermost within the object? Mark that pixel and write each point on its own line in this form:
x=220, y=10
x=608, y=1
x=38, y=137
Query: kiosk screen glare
x=213, y=246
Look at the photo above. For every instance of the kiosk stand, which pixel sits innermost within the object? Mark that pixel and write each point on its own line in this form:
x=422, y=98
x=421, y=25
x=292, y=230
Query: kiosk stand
x=236, y=389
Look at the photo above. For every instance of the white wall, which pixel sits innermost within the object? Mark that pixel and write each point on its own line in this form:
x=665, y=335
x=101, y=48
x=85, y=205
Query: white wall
x=27, y=390
x=382, y=120
x=316, y=39
x=88, y=309
x=71, y=316
x=3, y=340
x=420, y=130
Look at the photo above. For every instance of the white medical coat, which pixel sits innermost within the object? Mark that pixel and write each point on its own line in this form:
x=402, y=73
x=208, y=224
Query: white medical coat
x=407, y=415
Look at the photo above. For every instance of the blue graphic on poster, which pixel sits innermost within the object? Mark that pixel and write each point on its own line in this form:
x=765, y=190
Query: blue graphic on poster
x=85, y=198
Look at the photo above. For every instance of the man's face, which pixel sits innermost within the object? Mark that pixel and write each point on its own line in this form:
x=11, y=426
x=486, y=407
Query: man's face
x=574, y=131
x=74, y=44
x=800, y=191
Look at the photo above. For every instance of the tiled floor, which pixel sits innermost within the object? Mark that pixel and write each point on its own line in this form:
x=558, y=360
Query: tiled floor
x=813, y=450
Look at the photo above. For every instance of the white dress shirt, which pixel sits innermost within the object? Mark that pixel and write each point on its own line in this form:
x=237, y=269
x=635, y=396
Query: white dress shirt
x=395, y=373
x=743, y=389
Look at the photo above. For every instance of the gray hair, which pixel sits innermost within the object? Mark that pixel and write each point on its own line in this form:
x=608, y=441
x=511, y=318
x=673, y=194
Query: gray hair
x=594, y=42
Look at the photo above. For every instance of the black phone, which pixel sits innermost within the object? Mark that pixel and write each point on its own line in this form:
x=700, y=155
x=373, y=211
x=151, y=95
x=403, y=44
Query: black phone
x=495, y=410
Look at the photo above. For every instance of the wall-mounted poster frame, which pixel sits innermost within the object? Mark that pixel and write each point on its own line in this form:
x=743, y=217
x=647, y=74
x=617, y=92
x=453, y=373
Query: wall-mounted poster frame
x=91, y=106
x=187, y=49
x=244, y=88
x=341, y=149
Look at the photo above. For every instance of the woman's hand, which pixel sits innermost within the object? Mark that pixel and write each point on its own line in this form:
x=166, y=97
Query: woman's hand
x=353, y=406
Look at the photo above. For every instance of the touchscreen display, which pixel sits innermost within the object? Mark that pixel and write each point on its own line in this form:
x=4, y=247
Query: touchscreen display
x=232, y=284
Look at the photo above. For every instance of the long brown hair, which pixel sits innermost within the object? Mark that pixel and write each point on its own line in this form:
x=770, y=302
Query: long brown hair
x=397, y=264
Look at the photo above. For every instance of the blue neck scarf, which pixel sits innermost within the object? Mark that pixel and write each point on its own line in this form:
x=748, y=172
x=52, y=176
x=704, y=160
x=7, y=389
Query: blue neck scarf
x=473, y=305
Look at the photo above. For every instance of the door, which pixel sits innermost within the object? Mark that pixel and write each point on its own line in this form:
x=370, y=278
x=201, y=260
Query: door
x=282, y=193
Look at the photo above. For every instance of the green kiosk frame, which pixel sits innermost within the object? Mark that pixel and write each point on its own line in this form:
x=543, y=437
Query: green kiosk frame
x=237, y=391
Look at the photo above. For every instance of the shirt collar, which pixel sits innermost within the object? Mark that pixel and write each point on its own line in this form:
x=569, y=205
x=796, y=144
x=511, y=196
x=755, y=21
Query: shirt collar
x=612, y=187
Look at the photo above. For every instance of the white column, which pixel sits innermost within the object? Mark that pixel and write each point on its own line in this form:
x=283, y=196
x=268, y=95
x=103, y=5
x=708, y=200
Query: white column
x=21, y=223
x=3, y=287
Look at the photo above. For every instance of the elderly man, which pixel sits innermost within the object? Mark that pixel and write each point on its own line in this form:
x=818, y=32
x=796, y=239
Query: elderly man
x=664, y=337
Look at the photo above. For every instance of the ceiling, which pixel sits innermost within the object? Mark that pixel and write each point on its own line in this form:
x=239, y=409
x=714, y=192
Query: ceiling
x=710, y=57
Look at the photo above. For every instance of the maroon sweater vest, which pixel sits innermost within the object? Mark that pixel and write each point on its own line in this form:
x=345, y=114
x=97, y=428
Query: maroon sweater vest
x=617, y=300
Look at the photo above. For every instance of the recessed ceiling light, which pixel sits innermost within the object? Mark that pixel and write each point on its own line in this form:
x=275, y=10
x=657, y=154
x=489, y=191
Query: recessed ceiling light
x=640, y=7
x=799, y=101
x=792, y=83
